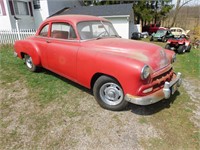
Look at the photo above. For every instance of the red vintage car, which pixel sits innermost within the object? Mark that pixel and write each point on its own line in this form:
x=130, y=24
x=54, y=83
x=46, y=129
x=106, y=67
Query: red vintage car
x=88, y=51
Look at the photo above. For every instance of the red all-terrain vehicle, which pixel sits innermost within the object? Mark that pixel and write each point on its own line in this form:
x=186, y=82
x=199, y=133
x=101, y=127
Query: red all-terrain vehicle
x=180, y=45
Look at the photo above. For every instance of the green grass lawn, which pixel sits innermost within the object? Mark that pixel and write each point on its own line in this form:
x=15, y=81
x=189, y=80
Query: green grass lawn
x=46, y=84
x=47, y=93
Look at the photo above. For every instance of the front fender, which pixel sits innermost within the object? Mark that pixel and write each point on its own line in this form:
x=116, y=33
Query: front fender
x=124, y=69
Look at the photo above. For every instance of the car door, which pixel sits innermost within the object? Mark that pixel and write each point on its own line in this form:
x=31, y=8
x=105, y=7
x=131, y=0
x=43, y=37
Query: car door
x=62, y=48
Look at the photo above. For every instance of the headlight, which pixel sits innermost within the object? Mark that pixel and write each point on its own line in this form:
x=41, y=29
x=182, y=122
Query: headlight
x=145, y=72
x=173, y=58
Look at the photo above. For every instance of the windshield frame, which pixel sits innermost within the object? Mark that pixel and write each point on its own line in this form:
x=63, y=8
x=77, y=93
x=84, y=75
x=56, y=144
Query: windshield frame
x=90, y=23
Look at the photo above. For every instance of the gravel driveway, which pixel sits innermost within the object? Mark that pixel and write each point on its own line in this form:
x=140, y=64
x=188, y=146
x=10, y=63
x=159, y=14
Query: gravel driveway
x=92, y=128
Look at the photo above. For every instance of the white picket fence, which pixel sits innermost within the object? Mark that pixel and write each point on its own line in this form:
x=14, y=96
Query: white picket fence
x=10, y=36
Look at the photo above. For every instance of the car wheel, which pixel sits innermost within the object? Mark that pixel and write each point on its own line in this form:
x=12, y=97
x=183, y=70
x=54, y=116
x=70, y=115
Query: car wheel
x=164, y=39
x=29, y=63
x=189, y=48
x=167, y=46
x=181, y=49
x=109, y=94
x=151, y=38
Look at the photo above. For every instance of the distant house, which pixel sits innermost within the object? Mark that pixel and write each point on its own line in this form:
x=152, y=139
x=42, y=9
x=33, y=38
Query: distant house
x=45, y=8
x=30, y=12
x=121, y=15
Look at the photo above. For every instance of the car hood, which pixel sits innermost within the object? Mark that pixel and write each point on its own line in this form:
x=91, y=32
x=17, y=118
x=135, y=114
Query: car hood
x=150, y=54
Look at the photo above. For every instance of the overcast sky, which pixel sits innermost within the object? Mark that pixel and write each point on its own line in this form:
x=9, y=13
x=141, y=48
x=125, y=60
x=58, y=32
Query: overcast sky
x=192, y=3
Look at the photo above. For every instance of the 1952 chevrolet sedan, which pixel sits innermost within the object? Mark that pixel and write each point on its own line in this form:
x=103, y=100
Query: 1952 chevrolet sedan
x=88, y=51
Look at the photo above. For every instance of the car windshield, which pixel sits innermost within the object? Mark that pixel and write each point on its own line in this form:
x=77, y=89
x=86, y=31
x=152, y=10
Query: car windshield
x=96, y=30
x=161, y=31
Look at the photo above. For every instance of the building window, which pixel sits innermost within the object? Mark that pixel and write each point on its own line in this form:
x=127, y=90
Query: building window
x=21, y=8
x=36, y=4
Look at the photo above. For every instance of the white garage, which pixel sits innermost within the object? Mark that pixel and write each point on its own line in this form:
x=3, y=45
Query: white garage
x=123, y=25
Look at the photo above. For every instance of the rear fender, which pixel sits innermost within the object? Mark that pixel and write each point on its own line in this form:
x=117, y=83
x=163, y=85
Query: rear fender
x=30, y=48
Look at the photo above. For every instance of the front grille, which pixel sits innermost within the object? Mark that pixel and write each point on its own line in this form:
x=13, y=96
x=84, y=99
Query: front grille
x=159, y=81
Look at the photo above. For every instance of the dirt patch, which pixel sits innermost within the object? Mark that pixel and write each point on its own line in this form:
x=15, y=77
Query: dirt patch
x=192, y=87
x=16, y=108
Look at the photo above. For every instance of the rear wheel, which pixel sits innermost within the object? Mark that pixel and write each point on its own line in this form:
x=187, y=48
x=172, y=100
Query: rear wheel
x=109, y=94
x=188, y=48
x=181, y=49
x=29, y=63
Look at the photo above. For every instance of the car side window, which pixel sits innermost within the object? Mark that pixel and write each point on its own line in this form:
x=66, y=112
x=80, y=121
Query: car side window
x=178, y=30
x=86, y=32
x=173, y=30
x=62, y=31
x=44, y=31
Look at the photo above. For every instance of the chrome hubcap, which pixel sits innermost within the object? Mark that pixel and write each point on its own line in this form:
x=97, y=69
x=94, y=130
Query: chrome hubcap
x=111, y=93
x=29, y=62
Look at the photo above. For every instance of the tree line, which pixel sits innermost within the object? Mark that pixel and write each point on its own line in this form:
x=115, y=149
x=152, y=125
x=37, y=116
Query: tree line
x=147, y=11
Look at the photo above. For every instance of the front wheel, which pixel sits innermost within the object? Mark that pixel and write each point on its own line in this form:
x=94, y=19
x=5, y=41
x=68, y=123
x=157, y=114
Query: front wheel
x=167, y=46
x=109, y=94
x=29, y=63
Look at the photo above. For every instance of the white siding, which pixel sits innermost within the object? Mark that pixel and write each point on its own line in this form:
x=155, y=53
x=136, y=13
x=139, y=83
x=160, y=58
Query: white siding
x=5, y=20
x=8, y=21
x=25, y=22
x=42, y=13
x=121, y=25
x=49, y=7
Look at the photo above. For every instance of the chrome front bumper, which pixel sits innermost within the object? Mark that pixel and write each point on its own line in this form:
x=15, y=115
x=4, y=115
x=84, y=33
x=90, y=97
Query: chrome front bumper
x=165, y=93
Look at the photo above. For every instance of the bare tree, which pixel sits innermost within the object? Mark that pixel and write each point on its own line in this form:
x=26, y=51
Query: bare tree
x=177, y=9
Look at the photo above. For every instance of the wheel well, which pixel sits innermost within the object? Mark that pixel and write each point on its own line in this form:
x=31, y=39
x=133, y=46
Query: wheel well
x=23, y=55
x=96, y=76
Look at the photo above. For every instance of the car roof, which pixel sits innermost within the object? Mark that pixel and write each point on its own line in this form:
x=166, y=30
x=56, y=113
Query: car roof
x=176, y=28
x=75, y=18
x=163, y=29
